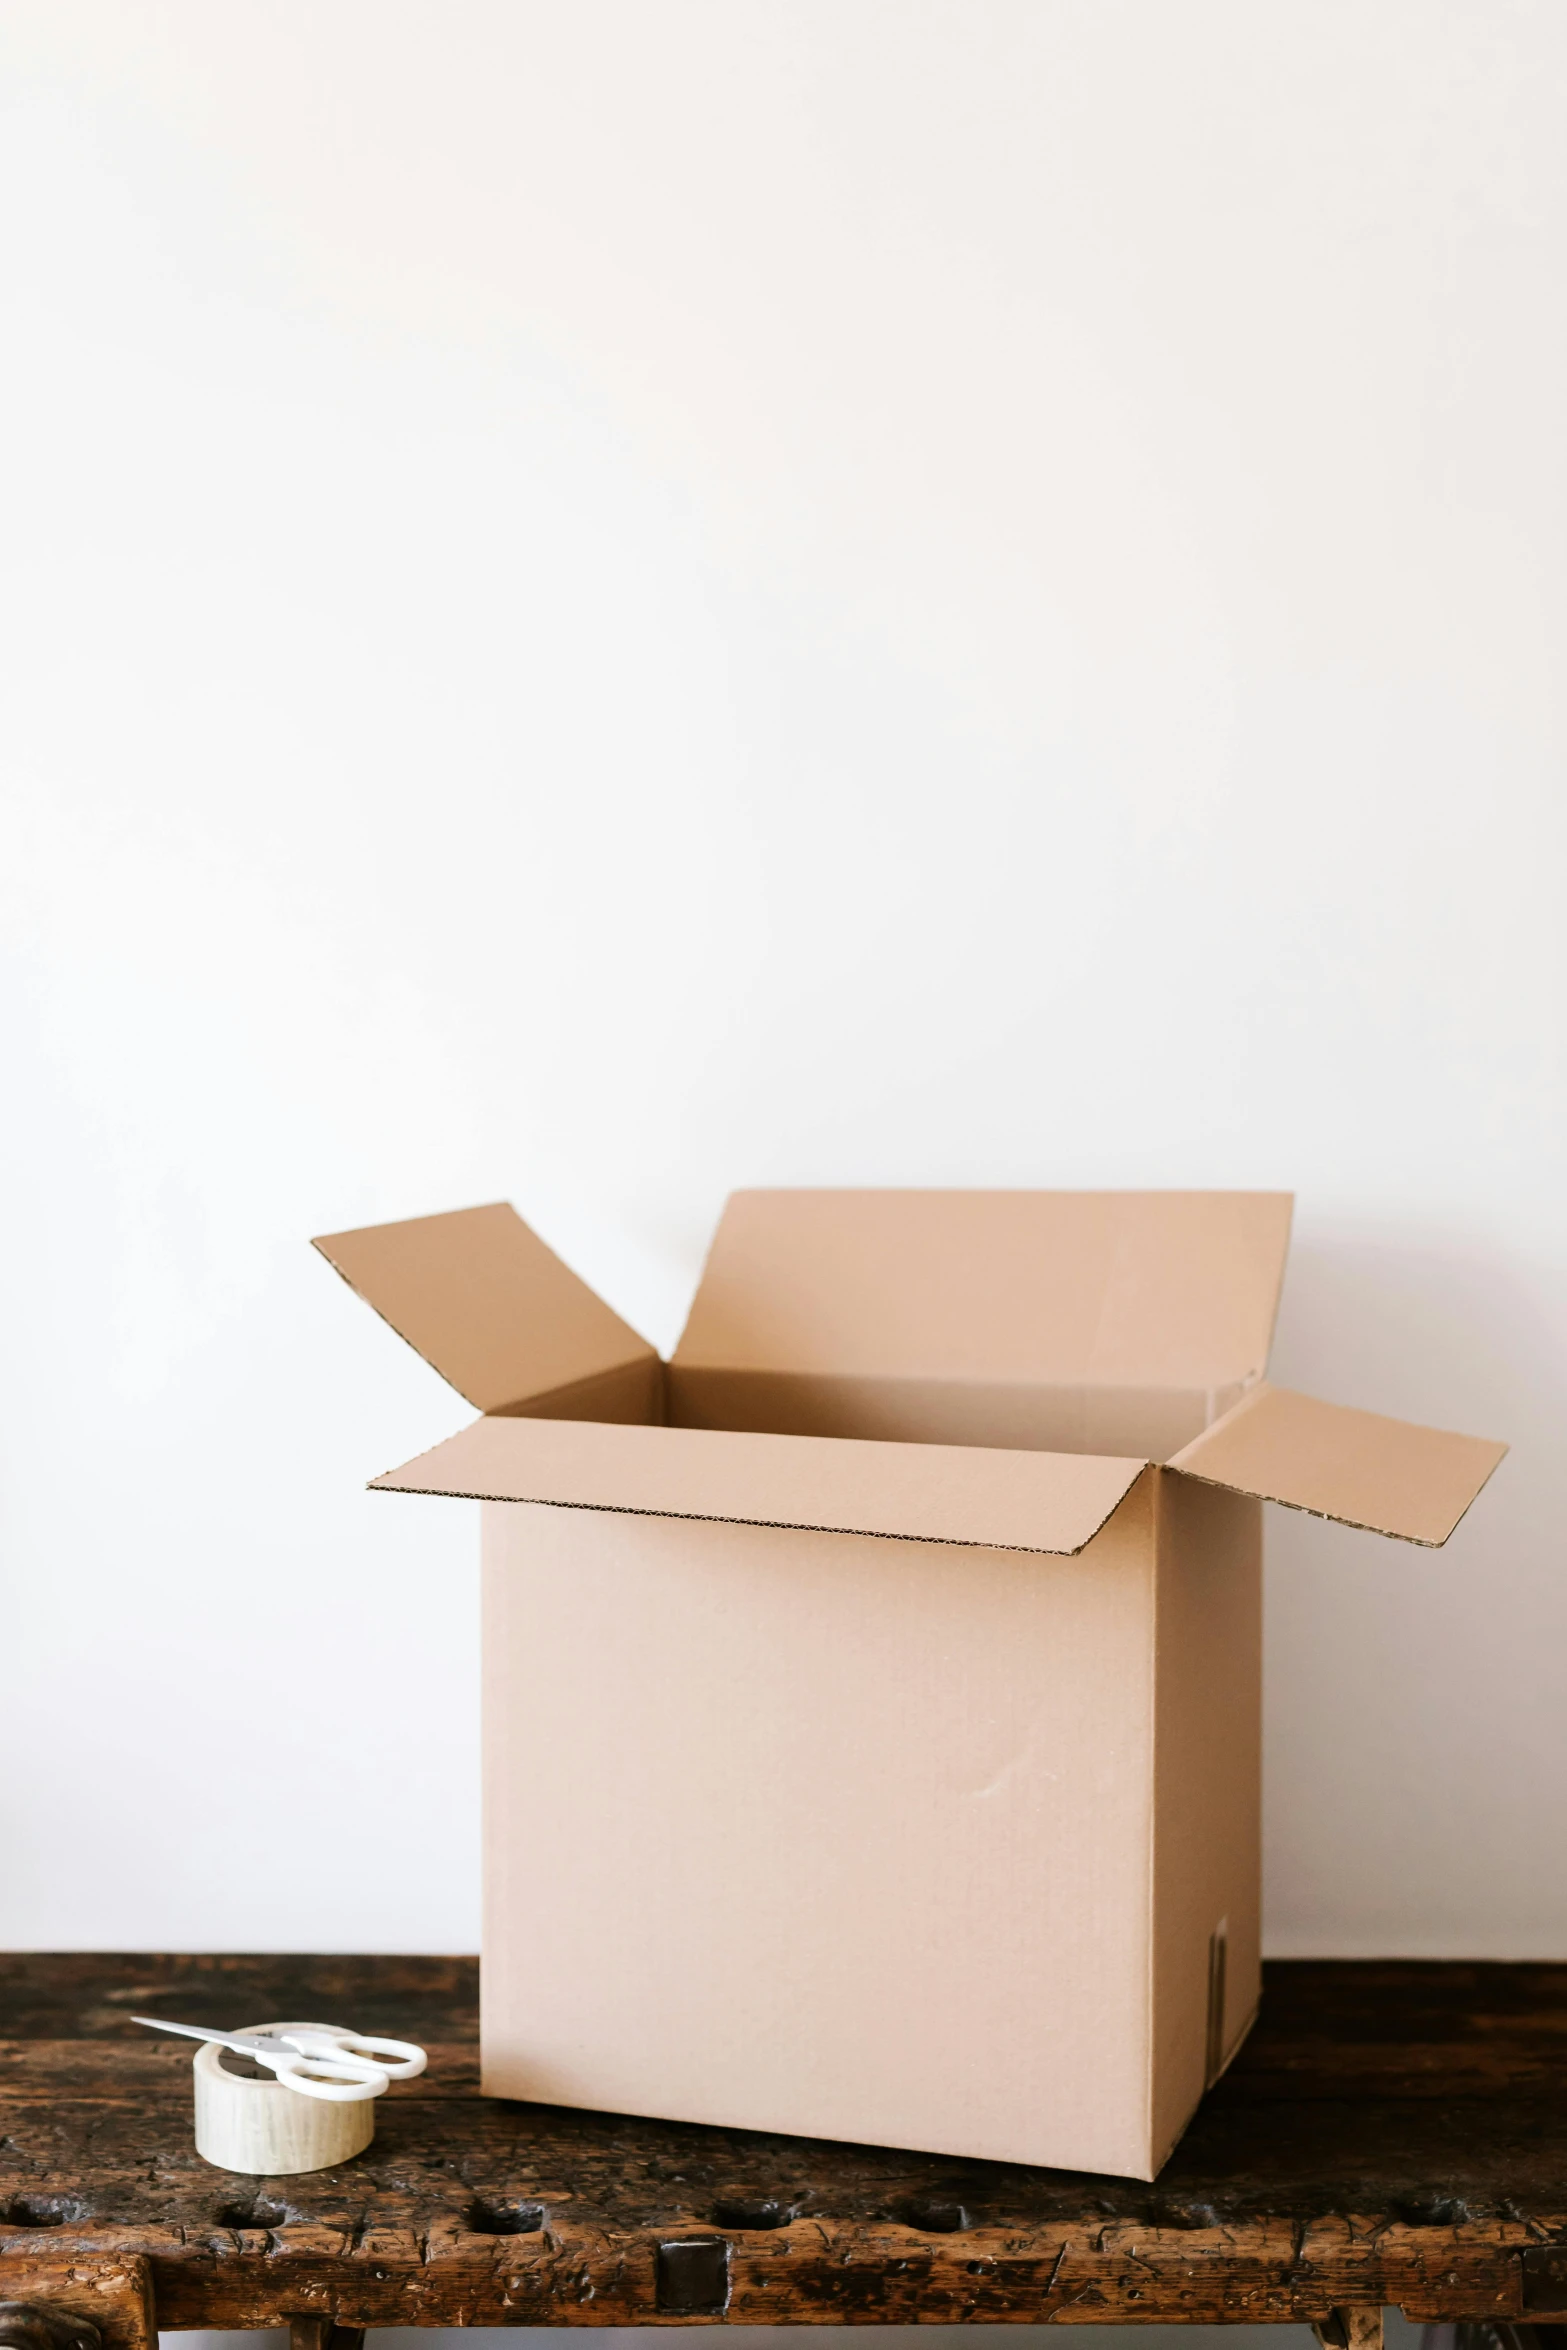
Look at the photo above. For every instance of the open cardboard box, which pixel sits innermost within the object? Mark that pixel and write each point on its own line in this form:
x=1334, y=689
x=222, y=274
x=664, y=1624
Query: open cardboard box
x=872, y=1692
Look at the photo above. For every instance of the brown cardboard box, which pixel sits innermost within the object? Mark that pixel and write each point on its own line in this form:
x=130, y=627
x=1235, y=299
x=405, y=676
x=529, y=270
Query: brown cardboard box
x=872, y=1692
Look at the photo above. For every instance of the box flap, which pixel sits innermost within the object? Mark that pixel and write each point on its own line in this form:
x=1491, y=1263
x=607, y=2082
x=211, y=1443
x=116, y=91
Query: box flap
x=486, y=1304
x=1036, y=1501
x=1389, y=1476
x=1055, y=1288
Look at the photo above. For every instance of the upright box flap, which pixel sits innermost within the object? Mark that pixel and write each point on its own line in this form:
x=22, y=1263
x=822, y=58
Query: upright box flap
x=1386, y=1475
x=1052, y=1288
x=1035, y=1501
x=486, y=1303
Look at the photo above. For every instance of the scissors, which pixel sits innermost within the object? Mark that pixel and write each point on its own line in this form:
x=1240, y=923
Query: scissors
x=318, y=2060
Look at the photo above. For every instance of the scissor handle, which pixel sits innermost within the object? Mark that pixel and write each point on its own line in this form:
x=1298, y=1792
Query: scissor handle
x=407, y=2060
x=340, y=2079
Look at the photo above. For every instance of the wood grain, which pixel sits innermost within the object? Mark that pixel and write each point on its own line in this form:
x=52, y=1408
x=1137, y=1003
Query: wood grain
x=112, y=2291
x=1392, y=2133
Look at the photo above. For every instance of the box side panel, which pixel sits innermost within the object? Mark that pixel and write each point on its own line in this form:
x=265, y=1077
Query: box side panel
x=1150, y=1423
x=803, y=1832
x=1207, y=1843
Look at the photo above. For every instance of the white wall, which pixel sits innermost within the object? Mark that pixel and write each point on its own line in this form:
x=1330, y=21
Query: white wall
x=606, y=601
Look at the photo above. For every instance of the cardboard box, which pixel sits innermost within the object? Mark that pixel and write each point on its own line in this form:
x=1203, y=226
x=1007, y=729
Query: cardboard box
x=872, y=1692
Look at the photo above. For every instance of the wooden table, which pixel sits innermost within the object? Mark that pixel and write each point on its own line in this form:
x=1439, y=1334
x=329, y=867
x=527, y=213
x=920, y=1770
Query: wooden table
x=1392, y=2133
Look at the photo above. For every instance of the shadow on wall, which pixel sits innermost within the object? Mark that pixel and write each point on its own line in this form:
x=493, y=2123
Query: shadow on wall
x=1447, y=1332
x=1375, y=1651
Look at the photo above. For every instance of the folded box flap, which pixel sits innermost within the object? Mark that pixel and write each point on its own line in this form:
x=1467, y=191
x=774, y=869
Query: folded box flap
x=1032, y=1501
x=1050, y=1288
x=486, y=1303
x=1389, y=1476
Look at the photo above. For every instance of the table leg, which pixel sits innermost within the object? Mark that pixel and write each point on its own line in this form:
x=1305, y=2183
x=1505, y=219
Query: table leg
x=321, y=2333
x=1350, y=2329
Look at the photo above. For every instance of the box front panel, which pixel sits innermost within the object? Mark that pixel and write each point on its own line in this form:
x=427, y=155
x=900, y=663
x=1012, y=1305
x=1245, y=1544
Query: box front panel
x=821, y=1833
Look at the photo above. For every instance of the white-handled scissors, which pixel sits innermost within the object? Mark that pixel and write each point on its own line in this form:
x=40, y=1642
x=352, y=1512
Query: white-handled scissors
x=317, y=2060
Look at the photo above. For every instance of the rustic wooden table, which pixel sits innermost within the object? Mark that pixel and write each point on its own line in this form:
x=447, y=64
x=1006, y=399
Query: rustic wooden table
x=1391, y=2134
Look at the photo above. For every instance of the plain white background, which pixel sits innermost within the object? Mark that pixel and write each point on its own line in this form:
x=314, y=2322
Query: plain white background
x=602, y=602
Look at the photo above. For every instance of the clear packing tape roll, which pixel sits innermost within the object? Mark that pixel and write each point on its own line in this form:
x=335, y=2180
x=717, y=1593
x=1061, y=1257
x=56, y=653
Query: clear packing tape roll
x=247, y=2120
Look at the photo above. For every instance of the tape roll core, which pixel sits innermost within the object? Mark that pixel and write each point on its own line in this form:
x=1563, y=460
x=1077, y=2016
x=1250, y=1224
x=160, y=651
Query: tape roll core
x=262, y=2128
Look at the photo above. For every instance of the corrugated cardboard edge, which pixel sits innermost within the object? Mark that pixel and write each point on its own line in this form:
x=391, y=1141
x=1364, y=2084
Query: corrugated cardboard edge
x=463, y=1468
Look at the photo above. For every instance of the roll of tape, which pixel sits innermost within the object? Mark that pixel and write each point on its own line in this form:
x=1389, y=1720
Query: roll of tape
x=263, y=2127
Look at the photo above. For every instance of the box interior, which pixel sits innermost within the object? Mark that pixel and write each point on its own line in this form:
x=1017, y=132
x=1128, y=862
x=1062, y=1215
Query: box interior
x=1148, y=1423
x=1120, y=1323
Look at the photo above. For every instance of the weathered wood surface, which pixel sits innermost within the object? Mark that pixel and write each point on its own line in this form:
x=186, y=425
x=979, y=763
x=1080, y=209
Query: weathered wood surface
x=1392, y=2133
x=112, y=2291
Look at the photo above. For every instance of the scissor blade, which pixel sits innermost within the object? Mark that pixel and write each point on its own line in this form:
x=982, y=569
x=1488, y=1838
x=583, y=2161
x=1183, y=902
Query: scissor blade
x=158, y=2023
